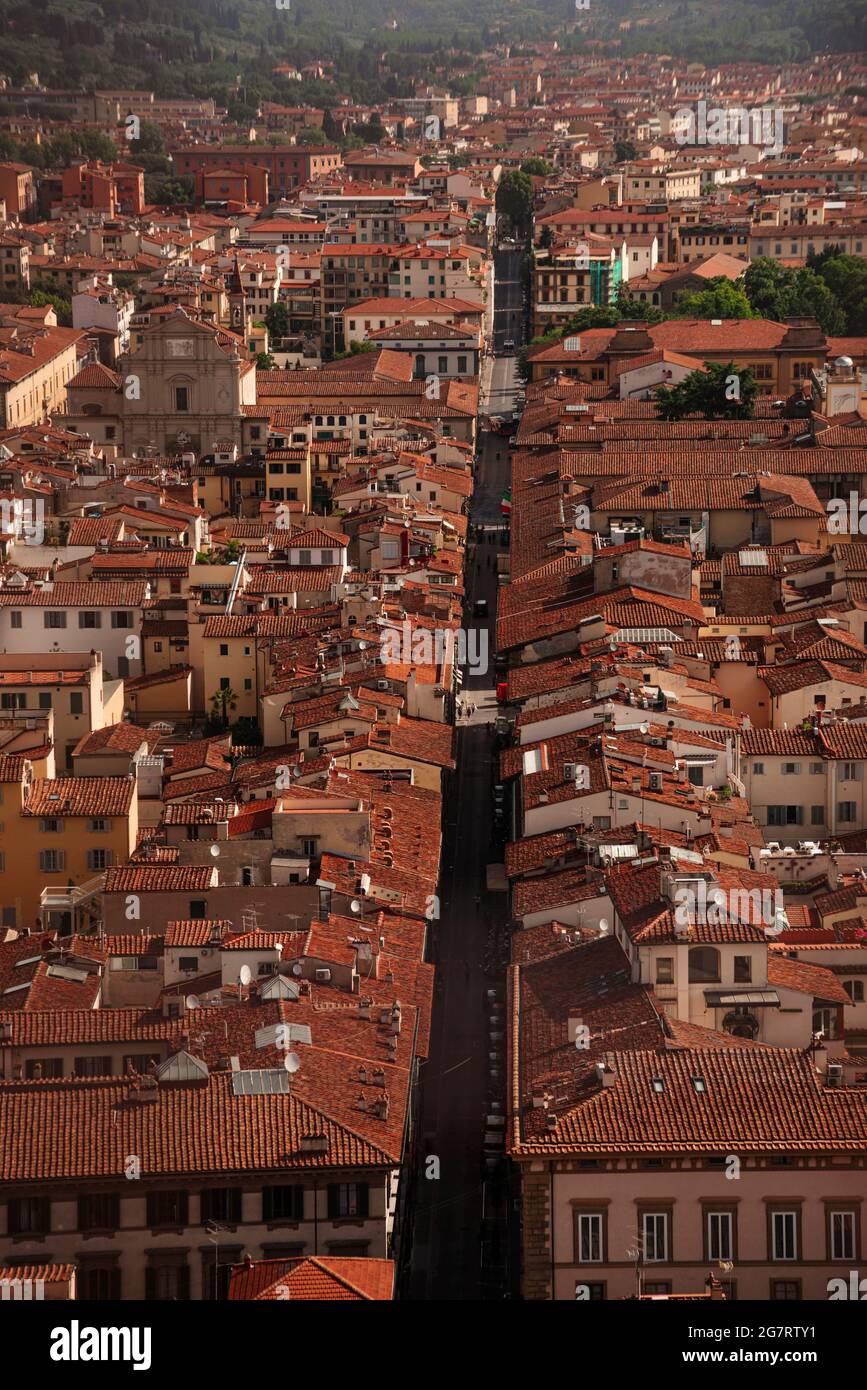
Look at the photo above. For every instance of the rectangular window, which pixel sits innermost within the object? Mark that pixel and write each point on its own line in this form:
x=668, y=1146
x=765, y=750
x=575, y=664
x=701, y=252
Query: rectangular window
x=284, y=1203
x=347, y=1199
x=842, y=1224
x=15, y=618
x=221, y=1204
x=52, y=861
x=817, y=815
x=90, y=619
x=743, y=970
x=53, y=619
x=99, y=1211
x=719, y=1235
x=665, y=970
x=167, y=1208
x=29, y=1216
x=98, y=826
x=99, y=860
x=785, y=1291
x=589, y=1238
x=139, y=1061
x=37, y=1067
x=182, y=398
x=50, y=825
x=121, y=620
x=76, y=702
x=785, y=815
x=846, y=811
x=99, y=1282
x=655, y=1236
x=198, y=910
x=93, y=1066
x=784, y=1235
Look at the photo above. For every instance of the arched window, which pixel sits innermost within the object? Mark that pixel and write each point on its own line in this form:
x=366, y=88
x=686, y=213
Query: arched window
x=703, y=965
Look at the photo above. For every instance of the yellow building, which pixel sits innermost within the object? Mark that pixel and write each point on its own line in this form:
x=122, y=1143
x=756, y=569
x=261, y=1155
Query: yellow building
x=34, y=371
x=59, y=834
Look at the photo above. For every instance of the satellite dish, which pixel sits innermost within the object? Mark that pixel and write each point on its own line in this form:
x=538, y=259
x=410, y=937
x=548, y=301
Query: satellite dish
x=362, y=646
x=245, y=975
x=603, y=926
x=292, y=1062
x=192, y=1002
x=215, y=851
x=296, y=969
x=645, y=727
x=355, y=905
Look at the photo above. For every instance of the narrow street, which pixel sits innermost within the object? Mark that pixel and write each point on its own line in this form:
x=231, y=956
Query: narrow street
x=460, y=1232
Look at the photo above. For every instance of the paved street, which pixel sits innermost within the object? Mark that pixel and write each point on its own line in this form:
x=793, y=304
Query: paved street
x=459, y=1248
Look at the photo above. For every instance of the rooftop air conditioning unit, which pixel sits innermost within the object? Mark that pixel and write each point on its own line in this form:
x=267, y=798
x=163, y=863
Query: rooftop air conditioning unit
x=323, y=975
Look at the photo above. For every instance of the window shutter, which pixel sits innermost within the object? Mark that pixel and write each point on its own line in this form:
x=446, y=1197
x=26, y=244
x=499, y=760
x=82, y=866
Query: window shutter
x=184, y=1282
x=333, y=1200
x=150, y=1276
x=363, y=1199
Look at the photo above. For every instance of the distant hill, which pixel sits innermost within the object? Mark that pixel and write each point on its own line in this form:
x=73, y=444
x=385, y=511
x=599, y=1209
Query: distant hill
x=202, y=47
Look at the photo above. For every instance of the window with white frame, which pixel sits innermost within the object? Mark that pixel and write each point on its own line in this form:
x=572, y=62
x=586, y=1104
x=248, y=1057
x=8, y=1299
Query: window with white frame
x=842, y=1230
x=784, y=1235
x=655, y=1236
x=719, y=1235
x=589, y=1237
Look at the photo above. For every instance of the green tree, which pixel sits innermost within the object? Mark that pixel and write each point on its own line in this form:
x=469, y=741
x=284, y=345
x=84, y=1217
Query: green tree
x=168, y=191
x=780, y=292
x=265, y=362
x=846, y=278
x=277, y=320
x=221, y=702
x=720, y=299
x=41, y=294
x=721, y=391
x=536, y=165
x=150, y=140
x=311, y=135
x=624, y=151
x=515, y=197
